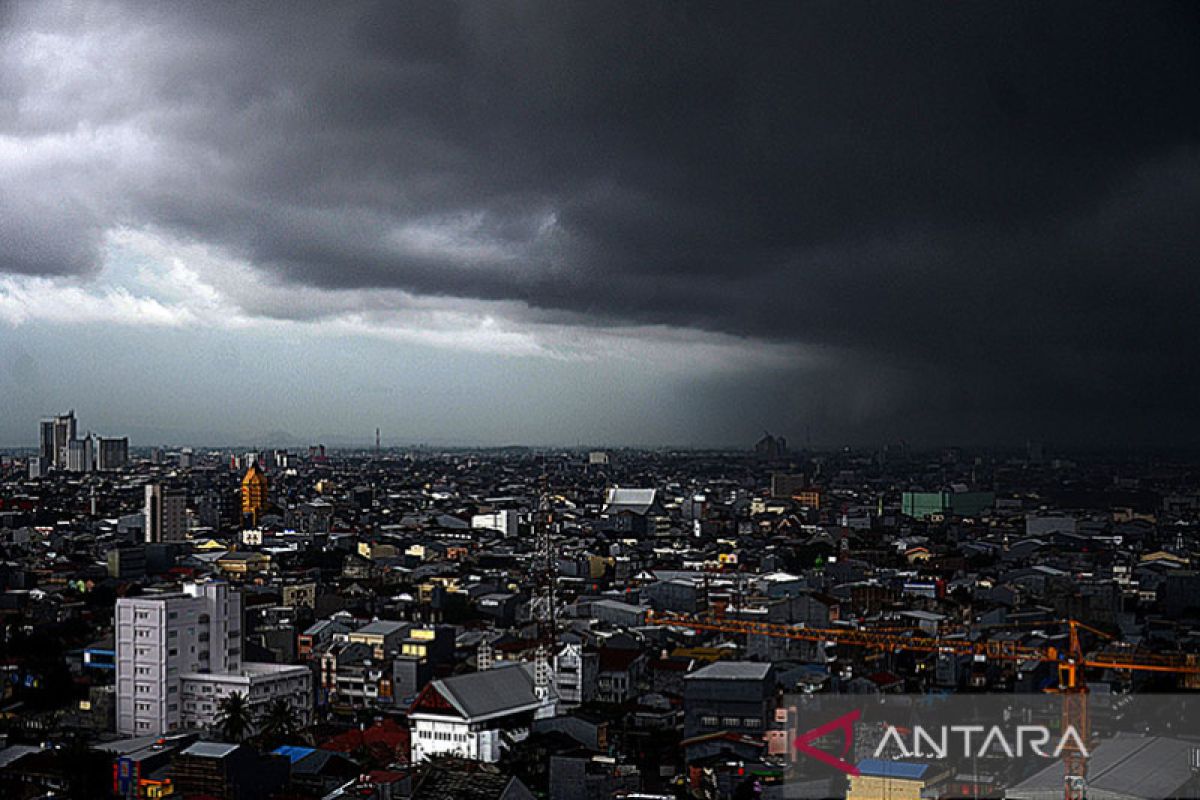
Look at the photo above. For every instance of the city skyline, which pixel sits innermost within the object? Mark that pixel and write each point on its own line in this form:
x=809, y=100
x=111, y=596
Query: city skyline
x=641, y=225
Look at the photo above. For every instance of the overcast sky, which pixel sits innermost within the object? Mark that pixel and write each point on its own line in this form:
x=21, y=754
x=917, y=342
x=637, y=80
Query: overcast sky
x=601, y=223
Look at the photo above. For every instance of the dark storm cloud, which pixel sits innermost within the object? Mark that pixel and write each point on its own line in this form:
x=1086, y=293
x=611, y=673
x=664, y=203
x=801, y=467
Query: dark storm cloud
x=990, y=207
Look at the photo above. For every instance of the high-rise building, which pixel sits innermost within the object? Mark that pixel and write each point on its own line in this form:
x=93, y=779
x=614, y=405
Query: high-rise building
x=254, y=492
x=46, y=442
x=38, y=467
x=55, y=435
x=64, y=434
x=111, y=453
x=80, y=455
x=178, y=655
x=166, y=514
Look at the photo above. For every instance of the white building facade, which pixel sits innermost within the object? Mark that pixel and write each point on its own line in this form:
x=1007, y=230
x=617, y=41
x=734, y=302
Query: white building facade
x=159, y=639
x=504, y=522
x=261, y=684
x=170, y=647
x=476, y=715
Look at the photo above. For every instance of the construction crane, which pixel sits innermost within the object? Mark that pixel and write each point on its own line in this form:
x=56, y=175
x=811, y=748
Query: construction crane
x=1070, y=661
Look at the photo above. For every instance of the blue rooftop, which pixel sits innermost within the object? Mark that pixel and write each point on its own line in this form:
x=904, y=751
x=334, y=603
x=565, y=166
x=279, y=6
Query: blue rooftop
x=293, y=752
x=878, y=768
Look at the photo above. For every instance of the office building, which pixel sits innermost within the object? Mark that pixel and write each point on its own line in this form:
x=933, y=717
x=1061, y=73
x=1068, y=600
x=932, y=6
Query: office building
x=38, y=467
x=112, y=453
x=166, y=514
x=64, y=434
x=46, y=442
x=80, y=455
x=55, y=435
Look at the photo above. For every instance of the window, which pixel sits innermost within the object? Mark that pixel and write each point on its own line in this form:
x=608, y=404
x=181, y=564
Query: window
x=731, y=722
x=710, y=722
x=751, y=722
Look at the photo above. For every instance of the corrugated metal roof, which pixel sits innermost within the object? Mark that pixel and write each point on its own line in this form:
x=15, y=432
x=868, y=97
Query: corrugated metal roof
x=210, y=749
x=491, y=692
x=731, y=671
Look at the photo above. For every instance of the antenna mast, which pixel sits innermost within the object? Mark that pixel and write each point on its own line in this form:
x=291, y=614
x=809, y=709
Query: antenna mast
x=544, y=569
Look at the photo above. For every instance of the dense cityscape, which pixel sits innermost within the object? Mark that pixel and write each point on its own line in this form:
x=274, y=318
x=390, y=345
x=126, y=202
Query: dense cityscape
x=622, y=400
x=415, y=623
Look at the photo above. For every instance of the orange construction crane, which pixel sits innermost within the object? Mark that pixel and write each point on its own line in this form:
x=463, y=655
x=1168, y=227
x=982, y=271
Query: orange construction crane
x=1071, y=661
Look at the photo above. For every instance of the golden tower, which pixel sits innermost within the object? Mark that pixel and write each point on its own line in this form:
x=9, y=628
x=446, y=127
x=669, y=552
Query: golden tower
x=254, y=492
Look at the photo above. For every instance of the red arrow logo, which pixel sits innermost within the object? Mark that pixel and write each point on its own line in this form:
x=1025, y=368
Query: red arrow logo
x=845, y=724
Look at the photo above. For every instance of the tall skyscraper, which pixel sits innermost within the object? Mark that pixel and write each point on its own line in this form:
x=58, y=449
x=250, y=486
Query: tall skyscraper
x=254, y=493
x=64, y=434
x=165, y=514
x=55, y=435
x=46, y=442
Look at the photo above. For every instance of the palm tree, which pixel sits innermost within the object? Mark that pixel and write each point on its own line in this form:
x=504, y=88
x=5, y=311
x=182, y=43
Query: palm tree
x=279, y=722
x=235, y=719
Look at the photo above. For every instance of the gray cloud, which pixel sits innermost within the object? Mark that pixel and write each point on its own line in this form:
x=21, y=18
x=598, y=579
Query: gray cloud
x=986, y=211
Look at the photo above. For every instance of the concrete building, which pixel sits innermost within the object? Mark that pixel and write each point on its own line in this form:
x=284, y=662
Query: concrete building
x=956, y=502
x=382, y=636
x=474, y=715
x=39, y=467
x=112, y=453
x=56, y=434
x=575, y=671
x=80, y=455
x=261, y=684
x=504, y=521
x=161, y=638
x=46, y=448
x=179, y=654
x=729, y=696
x=166, y=514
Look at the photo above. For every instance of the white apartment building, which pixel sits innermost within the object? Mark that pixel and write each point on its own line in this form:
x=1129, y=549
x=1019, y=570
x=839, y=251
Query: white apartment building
x=172, y=645
x=503, y=521
x=159, y=638
x=260, y=684
x=575, y=672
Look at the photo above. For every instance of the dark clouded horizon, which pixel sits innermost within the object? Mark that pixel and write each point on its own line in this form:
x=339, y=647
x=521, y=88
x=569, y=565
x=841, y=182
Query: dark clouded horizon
x=626, y=223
